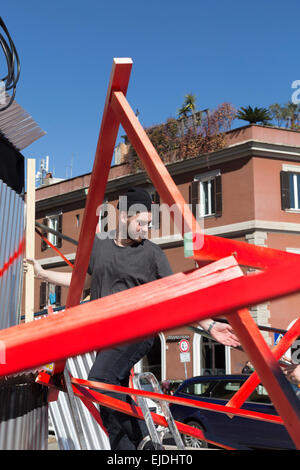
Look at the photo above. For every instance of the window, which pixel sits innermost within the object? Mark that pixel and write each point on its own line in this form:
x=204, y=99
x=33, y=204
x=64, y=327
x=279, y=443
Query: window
x=290, y=190
x=260, y=395
x=207, y=200
x=50, y=295
x=54, y=222
x=198, y=388
x=225, y=389
x=206, y=195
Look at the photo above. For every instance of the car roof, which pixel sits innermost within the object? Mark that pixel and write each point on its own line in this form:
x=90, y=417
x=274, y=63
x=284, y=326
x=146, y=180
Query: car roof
x=215, y=377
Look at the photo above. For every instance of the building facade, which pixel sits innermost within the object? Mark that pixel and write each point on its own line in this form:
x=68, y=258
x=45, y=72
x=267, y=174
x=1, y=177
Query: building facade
x=248, y=191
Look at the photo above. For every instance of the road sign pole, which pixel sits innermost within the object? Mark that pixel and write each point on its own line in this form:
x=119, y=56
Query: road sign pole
x=185, y=371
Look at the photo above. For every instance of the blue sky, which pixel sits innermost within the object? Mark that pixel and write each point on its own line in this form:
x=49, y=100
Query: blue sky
x=245, y=53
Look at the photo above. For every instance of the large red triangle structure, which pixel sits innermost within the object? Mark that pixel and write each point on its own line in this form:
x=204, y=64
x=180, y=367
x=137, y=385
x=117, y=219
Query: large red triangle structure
x=218, y=289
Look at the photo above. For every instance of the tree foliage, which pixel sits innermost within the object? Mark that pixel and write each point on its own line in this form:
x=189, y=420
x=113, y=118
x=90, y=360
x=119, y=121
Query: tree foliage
x=179, y=139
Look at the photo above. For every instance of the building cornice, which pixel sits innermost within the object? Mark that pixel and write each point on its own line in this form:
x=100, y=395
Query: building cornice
x=248, y=149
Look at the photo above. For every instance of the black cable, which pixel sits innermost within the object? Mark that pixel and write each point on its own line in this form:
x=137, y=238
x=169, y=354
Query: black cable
x=12, y=62
x=55, y=232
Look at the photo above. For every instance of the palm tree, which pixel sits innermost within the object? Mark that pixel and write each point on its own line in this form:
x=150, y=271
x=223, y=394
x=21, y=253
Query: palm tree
x=277, y=112
x=292, y=113
x=254, y=115
x=189, y=105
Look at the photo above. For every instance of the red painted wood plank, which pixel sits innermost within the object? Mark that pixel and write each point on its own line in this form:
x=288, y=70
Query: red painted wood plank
x=279, y=390
x=253, y=381
x=181, y=401
x=154, y=166
x=209, y=248
x=119, y=80
x=105, y=322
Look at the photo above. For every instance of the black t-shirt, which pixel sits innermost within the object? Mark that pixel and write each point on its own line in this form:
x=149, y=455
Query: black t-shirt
x=115, y=268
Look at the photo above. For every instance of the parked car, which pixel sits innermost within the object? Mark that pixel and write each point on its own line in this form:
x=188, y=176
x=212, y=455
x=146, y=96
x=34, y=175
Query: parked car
x=239, y=433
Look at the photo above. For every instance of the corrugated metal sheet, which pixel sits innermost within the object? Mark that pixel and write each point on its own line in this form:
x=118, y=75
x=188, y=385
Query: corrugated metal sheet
x=61, y=415
x=23, y=414
x=23, y=403
x=11, y=236
x=18, y=126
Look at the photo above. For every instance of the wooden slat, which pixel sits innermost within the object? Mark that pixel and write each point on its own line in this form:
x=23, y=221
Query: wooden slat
x=253, y=381
x=279, y=390
x=154, y=166
x=107, y=321
x=119, y=80
x=30, y=239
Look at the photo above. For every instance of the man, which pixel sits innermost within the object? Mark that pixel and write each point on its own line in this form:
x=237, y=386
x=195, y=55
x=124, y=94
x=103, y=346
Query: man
x=118, y=262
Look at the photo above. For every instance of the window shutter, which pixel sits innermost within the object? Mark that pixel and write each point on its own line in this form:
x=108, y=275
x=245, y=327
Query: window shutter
x=43, y=295
x=44, y=245
x=285, y=190
x=59, y=240
x=57, y=296
x=218, y=196
x=194, y=197
x=156, y=215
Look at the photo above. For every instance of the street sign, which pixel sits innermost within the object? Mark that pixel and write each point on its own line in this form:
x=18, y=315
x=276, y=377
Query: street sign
x=185, y=357
x=184, y=346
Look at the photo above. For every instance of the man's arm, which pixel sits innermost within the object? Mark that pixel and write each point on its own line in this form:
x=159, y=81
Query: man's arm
x=221, y=332
x=54, y=277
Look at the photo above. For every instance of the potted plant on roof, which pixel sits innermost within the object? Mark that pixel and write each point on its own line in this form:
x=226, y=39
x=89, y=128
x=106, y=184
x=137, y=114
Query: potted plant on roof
x=254, y=115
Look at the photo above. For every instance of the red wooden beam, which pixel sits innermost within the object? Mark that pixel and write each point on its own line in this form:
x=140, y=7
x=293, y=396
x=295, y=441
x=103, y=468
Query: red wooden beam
x=280, y=391
x=253, y=381
x=153, y=164
x=209, y=248
x=132, y=410
x=180, y=401
x=108, y=321
x=119, y=80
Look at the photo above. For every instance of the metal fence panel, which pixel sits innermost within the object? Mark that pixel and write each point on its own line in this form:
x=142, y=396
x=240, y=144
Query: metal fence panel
x=11, y=235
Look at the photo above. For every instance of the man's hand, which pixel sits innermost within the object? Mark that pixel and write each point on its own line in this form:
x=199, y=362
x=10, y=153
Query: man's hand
x=292, y=373
x=224, y=334
x=38, y=270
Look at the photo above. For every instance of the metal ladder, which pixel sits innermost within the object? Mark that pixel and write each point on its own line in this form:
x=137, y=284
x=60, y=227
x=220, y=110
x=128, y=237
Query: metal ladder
x=156, y=434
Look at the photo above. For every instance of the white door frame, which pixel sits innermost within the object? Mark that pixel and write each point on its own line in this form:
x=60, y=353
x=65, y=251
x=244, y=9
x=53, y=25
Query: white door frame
x=197, y=358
